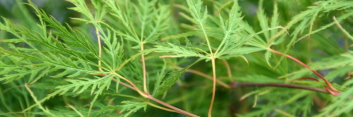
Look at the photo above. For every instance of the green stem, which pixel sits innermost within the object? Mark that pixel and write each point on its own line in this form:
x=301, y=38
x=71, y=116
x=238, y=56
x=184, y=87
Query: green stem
x=213, y=86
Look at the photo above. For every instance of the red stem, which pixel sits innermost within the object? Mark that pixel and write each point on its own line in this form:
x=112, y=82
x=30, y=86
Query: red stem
x=159, y=101
x=171, y=106
x=246, y=84
x=304, y=78
x=332, y=89
x=147, y=95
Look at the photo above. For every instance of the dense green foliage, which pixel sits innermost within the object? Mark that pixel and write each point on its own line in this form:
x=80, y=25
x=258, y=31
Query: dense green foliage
x=147, y=57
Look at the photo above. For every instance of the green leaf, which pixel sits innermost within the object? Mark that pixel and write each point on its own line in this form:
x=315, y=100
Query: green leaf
x=130, y=107
x=263, y=19
x=268, y=58
x=170, y=80
x=178, y=51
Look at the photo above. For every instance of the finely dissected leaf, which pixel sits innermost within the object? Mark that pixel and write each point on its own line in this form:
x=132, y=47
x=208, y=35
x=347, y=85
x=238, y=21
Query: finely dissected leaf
x=340, y=106
x=177, y=51
x=96, y=86
x=200, y=17
x=99, y=57
x=168, y=82
x=230, y=27
x=130, y=107
x=237, y=52
x=268, y=57
x=150, y=21
x=341, y=61
x=263, y=20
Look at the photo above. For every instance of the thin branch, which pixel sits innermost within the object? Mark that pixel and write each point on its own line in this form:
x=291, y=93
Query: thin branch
x=160, y=107
x=99, y=51
x=36, y=100
x=335, y=91
x=229, y=70
x=244, y=84
x=144, y=69
x=169, y=56
x=206, y=37
x=148, y=96
x=342, y=29
x=73, y=108
x=208, y=77
x=132, y=85
x=174, y=109
x=124, y=84
x=272, y=38
x=345, y=33
x=310, y=78
x=171, y=106
x=214, y=85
